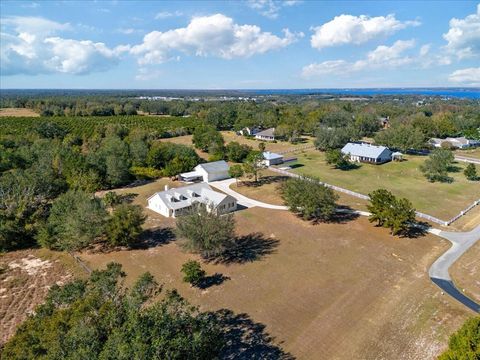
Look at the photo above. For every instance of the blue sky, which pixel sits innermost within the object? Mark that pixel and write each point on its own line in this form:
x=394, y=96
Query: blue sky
x=239, y=44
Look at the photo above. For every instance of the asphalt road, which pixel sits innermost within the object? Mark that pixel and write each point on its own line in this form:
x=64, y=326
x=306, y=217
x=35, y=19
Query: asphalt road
x=438, y=272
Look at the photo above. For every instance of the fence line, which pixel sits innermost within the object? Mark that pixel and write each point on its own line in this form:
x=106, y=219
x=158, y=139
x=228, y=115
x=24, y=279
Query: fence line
x=358, y=195
x=463, y=212
x=80, y=262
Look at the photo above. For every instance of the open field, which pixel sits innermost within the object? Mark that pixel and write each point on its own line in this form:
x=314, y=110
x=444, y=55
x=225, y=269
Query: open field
x=443, y=200
x=230, y=136
x=466, y=272
x=473, y=153
x=17, y=112
x=343, y=290
x=267, y=190
x=25, y=277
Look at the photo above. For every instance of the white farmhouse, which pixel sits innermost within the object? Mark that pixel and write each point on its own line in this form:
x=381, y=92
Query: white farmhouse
x=271, y=158
x=267, y=135
x=208, y=172
x=178, y=201
x=362, y=152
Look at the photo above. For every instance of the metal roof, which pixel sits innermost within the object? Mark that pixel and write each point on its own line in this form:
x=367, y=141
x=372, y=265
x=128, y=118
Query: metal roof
x=267, y=132
x=267, y=155
x=178, y=198
x=365, y=150
x=213, y=167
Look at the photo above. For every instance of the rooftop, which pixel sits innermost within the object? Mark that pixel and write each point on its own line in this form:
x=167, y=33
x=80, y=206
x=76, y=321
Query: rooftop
x=267, y=155
x=363, y=149
x=267, y=132
x=216, y=166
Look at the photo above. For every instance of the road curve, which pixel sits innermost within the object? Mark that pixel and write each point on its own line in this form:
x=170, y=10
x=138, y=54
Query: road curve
x=438, y=272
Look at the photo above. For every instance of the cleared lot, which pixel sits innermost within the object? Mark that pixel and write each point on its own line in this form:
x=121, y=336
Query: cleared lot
x=443, y=200
x=17, y=112
x=343, y=290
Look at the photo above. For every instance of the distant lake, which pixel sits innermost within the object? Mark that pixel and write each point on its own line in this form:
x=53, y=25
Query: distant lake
x=471, y=93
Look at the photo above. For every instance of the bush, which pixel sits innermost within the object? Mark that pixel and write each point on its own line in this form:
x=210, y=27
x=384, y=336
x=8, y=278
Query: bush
x=470, y=172
x=465, y=343
x=436, y=167
x=192, y=272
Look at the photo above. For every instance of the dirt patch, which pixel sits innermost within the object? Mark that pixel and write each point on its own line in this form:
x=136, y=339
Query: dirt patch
x=18, y=112
x=25, y=277
x=343, y=290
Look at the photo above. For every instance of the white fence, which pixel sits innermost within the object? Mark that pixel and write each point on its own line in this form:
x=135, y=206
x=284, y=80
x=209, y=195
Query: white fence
x=365, y=197
x=463, y=212
x=295, y=149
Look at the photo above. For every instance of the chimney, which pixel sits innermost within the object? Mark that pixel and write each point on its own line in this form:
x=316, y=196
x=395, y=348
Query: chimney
x=166, y=187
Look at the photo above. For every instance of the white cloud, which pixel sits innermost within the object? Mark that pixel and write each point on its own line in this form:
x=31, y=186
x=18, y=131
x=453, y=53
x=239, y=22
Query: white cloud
x=349, y=29
x=29, y=45
x=382, y=57
x=271, y=8
x=463, y=37
x=215, y=35
x=128, y=31
x=469, y=76
x=146, y=74
x=167, y=14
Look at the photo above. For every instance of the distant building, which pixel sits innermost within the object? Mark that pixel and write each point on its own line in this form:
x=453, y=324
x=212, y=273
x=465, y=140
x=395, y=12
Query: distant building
x=362, y=152
x=266, y=135
x=208, y=172
x=271, y=158
x=385, y=122
x=458, y=142
x=178, y=201
x=249, y=131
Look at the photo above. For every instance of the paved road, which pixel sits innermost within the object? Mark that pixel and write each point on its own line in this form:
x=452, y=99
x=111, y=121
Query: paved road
x=438, y=272
x=224, y=185
x=467, y=159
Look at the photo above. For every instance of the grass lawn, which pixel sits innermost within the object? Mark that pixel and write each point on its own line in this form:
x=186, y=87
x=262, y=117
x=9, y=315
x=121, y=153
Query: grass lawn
x=343, y=290
x=267, y=190
x=443, y=200
x=466, y=272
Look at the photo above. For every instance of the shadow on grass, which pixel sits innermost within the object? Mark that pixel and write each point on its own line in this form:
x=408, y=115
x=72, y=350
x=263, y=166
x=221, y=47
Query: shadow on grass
x=247, y=248
x=264, y=180
x=343, y=214
x=454, y=168
x=128, y=198
x=212, y=280
x=419, y=229
x=246, y=339
x=154, y=237
x=295, y=166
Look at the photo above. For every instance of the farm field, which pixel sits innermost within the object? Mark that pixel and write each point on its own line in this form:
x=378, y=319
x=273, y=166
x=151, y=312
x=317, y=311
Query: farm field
x=17, y=112
x=25, y=277
x=443, y=200
x=358, y=294
x=466, y=272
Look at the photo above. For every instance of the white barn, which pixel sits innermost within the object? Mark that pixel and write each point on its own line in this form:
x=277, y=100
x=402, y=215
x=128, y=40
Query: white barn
x=362, y=152
x=178, y=201
x=271, y=158
x=208, y=172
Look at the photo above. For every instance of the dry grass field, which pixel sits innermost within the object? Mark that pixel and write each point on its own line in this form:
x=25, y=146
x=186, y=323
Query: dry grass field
x=25, y=277
x=473, y=153
x=17, y=112
x=345, y=290
x=443, y=200
x=466, y=272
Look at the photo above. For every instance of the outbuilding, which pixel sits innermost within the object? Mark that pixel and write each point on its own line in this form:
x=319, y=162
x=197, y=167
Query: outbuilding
x=271, y=158
x=266, y=135
x=208, y=172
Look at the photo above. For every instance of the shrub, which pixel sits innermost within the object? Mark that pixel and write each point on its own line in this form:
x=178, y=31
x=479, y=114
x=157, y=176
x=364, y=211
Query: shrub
x=192, y=272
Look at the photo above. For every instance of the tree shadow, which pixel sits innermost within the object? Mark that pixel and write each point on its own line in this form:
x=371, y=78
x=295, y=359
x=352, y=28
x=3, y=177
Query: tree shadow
x=246, y=339
x=343, y=214
x=212, y=280
x=295, y=166
x=348, y=167
x=454, y=168
x=247, y=248
x=128, y=198
x=154, y=237
x=264, y=180
x=416, y=230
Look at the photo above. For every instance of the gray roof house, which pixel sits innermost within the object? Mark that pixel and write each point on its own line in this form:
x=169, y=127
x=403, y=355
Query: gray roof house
x=363, y=152
x=458, y=142
x=268, y=135
x=178, y=201
x=208, y=172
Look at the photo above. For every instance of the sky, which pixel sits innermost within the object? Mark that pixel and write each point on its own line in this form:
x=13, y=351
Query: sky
x=253, y=44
